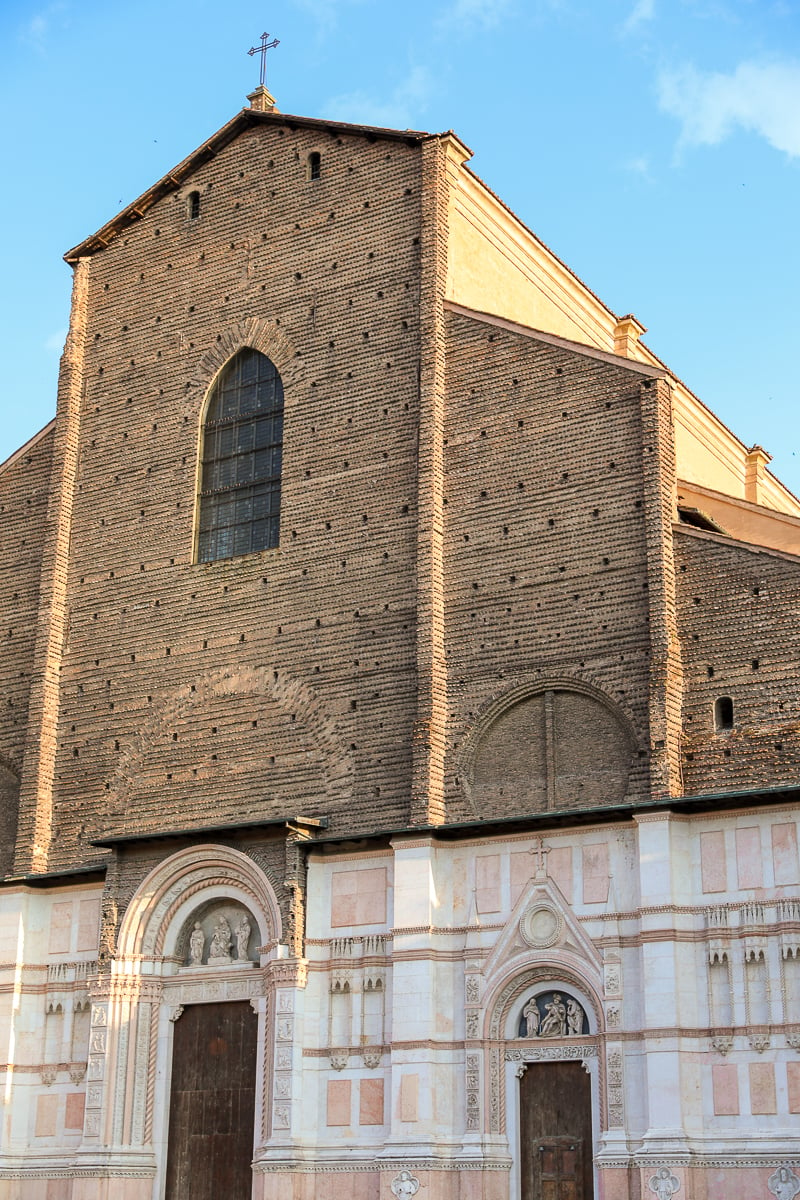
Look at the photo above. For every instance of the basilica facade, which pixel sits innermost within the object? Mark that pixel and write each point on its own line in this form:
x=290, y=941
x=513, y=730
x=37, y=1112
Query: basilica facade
x=399, y=756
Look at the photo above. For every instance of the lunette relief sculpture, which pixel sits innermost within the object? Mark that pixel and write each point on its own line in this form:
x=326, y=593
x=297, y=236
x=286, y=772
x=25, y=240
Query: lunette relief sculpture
x=558, y=1016
x=219, y=953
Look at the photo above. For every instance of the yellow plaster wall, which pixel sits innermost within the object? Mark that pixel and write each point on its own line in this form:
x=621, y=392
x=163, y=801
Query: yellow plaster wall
x=497, y=266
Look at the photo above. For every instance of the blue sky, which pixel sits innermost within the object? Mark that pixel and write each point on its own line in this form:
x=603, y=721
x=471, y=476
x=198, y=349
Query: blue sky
x=653, y=144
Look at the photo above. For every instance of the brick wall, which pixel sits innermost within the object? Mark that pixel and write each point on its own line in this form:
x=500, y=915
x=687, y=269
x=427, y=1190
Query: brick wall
x=740, y=637
x=282, y=682
x=545, y=556
x=24, y=492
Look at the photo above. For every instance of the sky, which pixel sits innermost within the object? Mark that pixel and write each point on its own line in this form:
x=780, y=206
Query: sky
x=654, y=145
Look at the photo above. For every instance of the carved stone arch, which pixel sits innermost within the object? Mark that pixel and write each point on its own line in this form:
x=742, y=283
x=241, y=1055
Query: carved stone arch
x=510, y=987
x=533, y=745
x=159, y=908
x=254, y=334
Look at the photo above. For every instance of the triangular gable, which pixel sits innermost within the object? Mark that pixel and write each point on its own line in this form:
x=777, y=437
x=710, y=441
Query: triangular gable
x=178, y=176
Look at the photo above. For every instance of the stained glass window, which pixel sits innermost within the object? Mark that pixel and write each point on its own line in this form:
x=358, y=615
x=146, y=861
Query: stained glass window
x=240, y=487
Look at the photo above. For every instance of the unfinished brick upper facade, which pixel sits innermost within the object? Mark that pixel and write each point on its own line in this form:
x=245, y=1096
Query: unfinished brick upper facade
x=491, y=601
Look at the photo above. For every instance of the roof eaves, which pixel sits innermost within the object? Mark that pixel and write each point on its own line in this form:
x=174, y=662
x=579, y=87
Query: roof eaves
x=27, y=446
x=554, y=339
x=539, y=242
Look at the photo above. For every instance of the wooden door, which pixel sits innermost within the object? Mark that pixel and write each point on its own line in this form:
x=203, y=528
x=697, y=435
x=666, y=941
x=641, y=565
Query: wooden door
x=556, y=1132
x=212, y=1103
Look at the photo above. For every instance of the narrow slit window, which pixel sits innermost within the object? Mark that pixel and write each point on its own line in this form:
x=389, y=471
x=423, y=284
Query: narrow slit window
x=240, y=483
x=193, y=206
x=314, y=165
x=723, y=713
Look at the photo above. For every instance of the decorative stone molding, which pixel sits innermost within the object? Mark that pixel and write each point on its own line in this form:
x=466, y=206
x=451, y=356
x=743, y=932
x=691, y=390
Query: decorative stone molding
x=341, y=980
x=473, y=1089
x=555, y=1053
x=722, y=1042
x=287, y=972
x=616, y=1086
x=371, y=1058
x=472, y=989
x=338, y=1059
x=343, y=947
x=48, y=1075
x=664, y=1184
x=759, y=1040
x=404, y=1186
x=718, y=934
x=612, y=976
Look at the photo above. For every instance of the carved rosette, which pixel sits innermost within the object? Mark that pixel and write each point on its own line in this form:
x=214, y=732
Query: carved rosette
x=541, y=925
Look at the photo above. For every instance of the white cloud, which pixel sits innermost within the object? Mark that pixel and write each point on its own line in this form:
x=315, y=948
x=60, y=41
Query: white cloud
x=639, y=166
x=37, y=28
x=55, y=343
x=643, y=10
x=399, y=110
x=475, y=14
x=325, y=12
x=761, y=97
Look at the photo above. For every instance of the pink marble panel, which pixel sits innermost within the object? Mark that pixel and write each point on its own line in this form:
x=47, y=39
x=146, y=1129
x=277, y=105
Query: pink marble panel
x=595, y=873
x=59, y=1189
x=748, y=857
x=60, y=928
x=46, y=1115
x=339, y=1102
x=725, y=1083
x=88, y=924
x=762, y=1088
x=358, y=897
x=73, y=1118
x=713, y=866
x=559, y=868
x=487, y=883
x=521, y=863
x=409, y=1098
x=370, y=1102
x=793, y=1081
x=784, y=854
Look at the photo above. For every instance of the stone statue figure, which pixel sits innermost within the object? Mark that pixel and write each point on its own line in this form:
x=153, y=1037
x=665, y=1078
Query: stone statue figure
x=784, y=1184
x=242, y=932
x=554, y=1024
x=574, y=1018
x=197, y=944
x=531, y=1014
x=221, y=941
x=664, y=1184
x=404, y=1186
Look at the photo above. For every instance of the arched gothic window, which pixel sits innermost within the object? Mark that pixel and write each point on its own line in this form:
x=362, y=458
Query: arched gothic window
x=240, y=484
